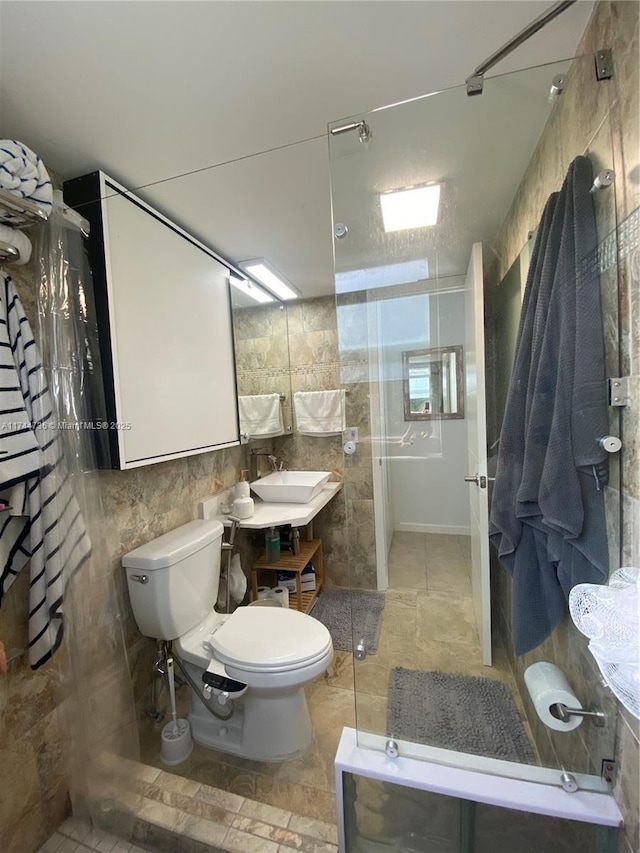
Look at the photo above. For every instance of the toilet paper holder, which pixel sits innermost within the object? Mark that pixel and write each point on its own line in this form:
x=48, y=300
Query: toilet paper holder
x=561, y=712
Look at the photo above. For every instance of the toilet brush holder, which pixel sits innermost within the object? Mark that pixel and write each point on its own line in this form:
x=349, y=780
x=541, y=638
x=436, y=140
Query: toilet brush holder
x=177, y=743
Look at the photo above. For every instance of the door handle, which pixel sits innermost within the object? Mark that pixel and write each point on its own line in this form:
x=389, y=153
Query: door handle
x=480, y=480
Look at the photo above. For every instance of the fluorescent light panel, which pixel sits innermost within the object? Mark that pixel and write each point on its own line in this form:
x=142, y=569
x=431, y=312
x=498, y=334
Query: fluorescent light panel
x=411, y=208
x=267, y=274
x=250, y=289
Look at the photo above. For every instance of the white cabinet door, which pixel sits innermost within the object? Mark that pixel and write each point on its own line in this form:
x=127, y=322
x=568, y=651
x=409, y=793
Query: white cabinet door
x=171, y=339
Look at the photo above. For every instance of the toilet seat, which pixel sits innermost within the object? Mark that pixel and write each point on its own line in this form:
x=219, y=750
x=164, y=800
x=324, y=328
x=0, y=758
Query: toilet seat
x=258, y=639
x=270, y=639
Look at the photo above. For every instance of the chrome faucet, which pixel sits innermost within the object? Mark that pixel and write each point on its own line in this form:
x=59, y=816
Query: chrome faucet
x=254, y=472
x=274, y=463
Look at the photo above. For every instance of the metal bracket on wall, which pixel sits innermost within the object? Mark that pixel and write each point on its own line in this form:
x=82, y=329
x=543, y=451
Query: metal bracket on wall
x=604, y=64
x=608, y=770
x=364, y=131
x=619, y=391
x=475, y=84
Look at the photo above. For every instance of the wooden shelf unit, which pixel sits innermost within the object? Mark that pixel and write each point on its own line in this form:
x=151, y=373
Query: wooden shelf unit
x=288, y=562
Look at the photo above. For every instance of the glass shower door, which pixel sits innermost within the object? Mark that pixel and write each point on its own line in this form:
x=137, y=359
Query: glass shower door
x=487, y=165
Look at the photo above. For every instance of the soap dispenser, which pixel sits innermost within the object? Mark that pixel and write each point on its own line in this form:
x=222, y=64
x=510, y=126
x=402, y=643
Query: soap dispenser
x=243, y=505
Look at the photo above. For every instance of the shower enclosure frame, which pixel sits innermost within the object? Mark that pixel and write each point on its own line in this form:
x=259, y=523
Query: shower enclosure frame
x=472, y=778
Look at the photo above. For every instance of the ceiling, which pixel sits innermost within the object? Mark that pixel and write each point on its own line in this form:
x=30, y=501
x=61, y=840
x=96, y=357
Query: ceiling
x=148, y=91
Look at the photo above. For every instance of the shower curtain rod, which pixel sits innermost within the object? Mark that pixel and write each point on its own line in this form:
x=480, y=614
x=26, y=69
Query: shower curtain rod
x=475, y=80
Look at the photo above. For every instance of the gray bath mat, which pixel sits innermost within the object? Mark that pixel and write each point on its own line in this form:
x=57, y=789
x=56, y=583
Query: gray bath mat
x=348, y=613
x=461, y=712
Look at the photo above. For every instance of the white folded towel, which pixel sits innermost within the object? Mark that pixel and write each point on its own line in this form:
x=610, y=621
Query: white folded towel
x=23, y=173
x=319, y=413
x=260, y=415
x=18, y=240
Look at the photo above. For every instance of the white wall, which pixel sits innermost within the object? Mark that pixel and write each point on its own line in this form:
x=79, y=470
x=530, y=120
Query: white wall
x=427, y=459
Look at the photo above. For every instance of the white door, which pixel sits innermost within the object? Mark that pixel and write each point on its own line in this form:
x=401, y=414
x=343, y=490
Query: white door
x=477, y=431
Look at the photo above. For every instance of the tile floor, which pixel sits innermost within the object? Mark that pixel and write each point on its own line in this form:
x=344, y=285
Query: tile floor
x=75, y=837
x=165, y=813
x=428, y=623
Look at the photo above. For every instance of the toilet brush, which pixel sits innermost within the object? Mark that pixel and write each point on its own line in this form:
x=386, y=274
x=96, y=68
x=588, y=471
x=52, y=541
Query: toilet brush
x=177, y=743
x=172, y=695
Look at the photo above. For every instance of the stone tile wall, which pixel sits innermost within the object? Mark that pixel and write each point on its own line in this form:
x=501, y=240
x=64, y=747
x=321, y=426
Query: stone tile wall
x=600, y=120
x=346, y=524
x=262, y=353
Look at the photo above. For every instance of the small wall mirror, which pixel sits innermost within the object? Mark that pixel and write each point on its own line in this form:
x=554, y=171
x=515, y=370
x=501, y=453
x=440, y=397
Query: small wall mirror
x=432, y=384
x=262, y=365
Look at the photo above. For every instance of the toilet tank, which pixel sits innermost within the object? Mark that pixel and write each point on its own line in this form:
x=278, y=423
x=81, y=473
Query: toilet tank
x=173, y=580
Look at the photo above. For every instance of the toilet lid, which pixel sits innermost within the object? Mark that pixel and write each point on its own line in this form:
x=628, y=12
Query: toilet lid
x=270, y=638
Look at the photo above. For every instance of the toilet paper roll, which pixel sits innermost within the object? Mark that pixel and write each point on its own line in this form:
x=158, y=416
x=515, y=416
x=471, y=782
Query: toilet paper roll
x=547, y=685
x=281, y=594
x=264, y=592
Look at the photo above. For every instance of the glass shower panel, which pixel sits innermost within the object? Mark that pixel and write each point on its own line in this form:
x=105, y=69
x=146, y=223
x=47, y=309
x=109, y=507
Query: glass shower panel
x=403, y=298
x=385, y=816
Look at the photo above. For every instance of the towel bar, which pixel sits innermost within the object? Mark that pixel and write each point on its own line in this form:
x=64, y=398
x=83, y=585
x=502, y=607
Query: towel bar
x=8, y=252
x=28, y=212
x=346, y=392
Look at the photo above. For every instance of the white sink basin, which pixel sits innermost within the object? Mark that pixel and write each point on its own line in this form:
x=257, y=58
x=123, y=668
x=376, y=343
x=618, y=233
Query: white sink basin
x=290, y=487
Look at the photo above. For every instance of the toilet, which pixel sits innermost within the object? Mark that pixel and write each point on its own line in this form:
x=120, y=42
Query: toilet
x=249, y=668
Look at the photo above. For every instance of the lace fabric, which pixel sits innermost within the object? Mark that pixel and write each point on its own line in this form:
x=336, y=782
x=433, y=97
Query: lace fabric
x=609, y=615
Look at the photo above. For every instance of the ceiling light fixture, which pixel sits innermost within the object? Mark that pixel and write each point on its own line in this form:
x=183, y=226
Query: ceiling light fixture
x=267, y=274
x=415, y=207
x=250, y=289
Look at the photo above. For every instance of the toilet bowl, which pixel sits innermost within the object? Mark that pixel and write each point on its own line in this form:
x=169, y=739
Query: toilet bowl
x=247, y=669
x=275, y=652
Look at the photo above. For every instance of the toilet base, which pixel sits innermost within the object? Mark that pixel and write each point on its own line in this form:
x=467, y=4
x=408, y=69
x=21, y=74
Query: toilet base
x=265, y=726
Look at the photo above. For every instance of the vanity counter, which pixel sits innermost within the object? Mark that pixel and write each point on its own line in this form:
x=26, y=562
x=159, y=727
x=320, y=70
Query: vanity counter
x=277, y=514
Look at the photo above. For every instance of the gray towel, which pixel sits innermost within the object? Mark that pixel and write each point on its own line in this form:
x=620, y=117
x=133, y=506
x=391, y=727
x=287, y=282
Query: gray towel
x=547, y=513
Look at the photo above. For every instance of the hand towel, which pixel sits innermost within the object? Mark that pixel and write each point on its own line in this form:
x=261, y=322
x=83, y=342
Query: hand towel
x=319, y=413
x=23, y=174
x=44, y=525
x=260, y=415
x=18, y=240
